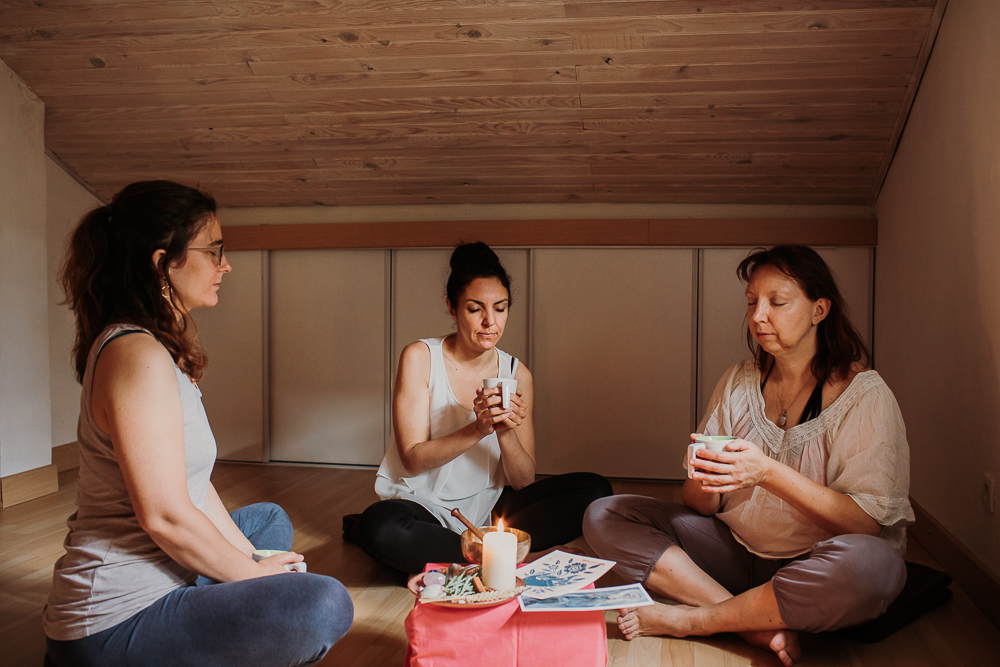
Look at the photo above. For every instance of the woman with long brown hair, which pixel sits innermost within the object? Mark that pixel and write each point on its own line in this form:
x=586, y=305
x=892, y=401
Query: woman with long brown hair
x=799, y=523
x=156, y=570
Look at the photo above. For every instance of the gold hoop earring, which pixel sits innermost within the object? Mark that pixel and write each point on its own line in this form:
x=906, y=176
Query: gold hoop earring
x=165, y=292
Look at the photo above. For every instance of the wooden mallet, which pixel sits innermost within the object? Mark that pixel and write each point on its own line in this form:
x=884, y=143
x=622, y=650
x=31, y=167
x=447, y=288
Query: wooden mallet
x=468, y=524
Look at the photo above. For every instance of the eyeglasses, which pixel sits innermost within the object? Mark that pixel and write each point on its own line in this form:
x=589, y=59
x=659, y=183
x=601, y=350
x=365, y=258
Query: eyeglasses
x=218, y=252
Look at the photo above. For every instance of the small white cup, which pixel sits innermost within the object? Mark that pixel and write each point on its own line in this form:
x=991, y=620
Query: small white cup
x=508, y=388
x=715, y=443
x=261, y=554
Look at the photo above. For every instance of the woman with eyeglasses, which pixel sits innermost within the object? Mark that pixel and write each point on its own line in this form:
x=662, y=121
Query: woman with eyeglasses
x=156, y=570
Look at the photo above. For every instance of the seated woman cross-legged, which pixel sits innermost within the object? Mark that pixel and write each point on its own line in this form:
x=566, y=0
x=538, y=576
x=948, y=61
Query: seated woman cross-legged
x=156, y=571
x=799, y=523
x=456, y=446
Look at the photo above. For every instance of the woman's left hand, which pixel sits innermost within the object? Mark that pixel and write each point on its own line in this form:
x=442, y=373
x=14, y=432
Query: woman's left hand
x=489, y=410
x=518, y=411
x=740, y=465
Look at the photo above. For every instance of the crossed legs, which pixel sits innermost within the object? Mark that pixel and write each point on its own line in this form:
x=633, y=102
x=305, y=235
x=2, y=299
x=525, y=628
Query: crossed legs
x=722, y=587
x=707, y=608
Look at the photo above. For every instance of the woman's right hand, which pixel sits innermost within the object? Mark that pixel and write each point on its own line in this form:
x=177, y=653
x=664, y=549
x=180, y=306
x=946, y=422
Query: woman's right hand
x=276, y=564
x=696, y=497
x=489, y=409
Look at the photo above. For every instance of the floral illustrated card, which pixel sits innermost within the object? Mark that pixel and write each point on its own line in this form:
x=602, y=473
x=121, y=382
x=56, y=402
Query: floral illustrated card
x=592, y=599
x=559, y=572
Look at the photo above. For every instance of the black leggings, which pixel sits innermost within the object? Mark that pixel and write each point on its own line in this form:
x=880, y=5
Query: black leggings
x=403, y=535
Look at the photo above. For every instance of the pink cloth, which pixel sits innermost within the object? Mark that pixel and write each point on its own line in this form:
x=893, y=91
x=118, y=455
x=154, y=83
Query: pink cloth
x=504, y=636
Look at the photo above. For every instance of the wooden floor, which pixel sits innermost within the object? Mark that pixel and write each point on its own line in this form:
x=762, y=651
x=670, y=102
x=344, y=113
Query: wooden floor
x=316, y=498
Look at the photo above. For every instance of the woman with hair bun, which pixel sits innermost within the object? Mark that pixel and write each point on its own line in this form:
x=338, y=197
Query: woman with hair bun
x=799, y=524
x=156, y=571
x=457, y=447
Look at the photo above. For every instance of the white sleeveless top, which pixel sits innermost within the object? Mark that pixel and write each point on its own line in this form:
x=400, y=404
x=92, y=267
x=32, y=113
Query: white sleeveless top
x=112, y=568
x=471, y=482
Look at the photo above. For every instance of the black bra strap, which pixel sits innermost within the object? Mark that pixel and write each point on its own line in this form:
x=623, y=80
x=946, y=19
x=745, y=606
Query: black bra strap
x=117, y=335
x=767, y=376
x=814, y=405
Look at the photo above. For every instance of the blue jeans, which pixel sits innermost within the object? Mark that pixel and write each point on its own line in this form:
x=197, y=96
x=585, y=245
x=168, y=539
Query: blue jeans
x=281, y=620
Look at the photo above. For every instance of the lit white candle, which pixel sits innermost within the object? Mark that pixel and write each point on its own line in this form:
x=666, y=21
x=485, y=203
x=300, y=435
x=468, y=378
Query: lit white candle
x=499, y=559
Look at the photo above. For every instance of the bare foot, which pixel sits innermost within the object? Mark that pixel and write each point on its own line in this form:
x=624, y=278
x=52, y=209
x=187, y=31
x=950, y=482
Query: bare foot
x=660, y=619
x=676, y=621
x=784, y=643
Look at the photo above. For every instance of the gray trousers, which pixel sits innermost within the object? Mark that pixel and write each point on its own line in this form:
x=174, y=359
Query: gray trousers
x=840, y=582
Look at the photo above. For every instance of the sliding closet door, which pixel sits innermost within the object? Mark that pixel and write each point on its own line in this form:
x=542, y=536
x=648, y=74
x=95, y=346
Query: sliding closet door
x=232, y=334
x=613, y=360
x=328, y=355
x=722, y=329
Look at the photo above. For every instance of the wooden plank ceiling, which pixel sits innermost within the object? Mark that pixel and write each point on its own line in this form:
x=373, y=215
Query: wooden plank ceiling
x=353, y=102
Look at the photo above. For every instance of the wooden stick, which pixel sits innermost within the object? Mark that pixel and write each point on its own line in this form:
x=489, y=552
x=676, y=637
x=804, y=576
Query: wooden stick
x=480, y=588
x=475, y=531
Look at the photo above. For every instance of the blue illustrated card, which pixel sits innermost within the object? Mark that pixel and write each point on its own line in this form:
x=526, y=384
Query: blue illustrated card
x=596, y=599
x=559, y=572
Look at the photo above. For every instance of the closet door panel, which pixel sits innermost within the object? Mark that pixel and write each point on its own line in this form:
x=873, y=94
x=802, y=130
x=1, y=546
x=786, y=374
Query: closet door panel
x=613, y=360
x=232, y=334
x=328, y=345
x=723, y=309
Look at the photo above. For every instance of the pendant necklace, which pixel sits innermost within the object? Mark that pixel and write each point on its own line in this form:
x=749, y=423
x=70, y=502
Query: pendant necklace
x=784, y=411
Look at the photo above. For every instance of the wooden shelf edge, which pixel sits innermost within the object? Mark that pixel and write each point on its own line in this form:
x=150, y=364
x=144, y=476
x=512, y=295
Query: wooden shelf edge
x=696, y=232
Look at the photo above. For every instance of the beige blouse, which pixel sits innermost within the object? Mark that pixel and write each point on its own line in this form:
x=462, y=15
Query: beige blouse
x=856, y=446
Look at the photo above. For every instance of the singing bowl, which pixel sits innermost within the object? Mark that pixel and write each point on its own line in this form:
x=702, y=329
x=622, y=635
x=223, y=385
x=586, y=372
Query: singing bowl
x=472, y=548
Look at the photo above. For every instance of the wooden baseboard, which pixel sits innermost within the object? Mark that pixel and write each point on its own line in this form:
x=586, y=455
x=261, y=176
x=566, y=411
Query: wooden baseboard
x=971, y=574
x=66, y=457
x=28, y=485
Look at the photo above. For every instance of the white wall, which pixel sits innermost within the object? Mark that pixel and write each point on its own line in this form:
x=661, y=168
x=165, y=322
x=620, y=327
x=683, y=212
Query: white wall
x=67, y=202
x=937, y=300
x=25, y=426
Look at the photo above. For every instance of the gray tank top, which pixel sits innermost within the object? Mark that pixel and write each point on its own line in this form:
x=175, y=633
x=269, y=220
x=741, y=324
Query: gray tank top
x=112, y=569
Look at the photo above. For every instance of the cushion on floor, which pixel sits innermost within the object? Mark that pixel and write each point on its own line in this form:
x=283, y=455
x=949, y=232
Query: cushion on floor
x=925, y=589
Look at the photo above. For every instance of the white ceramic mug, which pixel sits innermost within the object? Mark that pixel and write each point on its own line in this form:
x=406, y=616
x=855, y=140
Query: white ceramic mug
x=261, y=554
x=508, y=388
x=715, y=443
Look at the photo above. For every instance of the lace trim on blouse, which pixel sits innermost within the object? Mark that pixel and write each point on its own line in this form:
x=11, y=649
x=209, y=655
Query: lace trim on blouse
x=789, y=444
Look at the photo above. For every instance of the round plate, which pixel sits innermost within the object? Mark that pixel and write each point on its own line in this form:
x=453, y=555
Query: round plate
x=475, y=605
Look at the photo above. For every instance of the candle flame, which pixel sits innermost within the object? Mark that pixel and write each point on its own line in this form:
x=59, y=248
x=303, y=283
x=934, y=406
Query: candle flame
x=500, y=526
